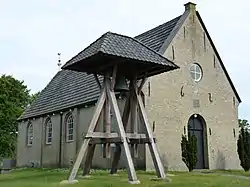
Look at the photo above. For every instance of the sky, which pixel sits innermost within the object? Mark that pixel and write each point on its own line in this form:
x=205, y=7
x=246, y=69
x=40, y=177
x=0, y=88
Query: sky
x=33, y=32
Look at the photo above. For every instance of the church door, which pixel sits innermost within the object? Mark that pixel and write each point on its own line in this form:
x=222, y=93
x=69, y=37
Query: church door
x=196, y=127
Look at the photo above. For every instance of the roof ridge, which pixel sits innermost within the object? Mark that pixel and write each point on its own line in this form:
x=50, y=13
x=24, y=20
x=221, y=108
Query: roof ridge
x=158, y=26
x=86, y=48
x=144, y=46
x=104, y=37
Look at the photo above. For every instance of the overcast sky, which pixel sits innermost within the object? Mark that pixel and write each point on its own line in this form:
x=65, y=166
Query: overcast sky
x=33, y=32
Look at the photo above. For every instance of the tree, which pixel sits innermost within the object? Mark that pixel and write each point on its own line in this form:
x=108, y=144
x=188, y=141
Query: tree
x=243, y=148
x=33, y=97
x=189, y=151
x=14, y=97
x=243, y=123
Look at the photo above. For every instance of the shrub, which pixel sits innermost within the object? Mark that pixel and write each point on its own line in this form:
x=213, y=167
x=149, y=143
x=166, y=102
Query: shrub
x=189, y=151
x=243, y=148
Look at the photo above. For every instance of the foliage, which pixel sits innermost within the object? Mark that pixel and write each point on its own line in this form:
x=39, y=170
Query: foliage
x=243, y=123
x=14, y=97
x=243, y=148
x=189, y=151
x=33, y=97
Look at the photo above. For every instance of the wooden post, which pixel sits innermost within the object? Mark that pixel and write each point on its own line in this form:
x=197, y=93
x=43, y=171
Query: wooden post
x=134, y=116
x=107, y=124
x=89, y=158
x=130, y=165
x=152, y=146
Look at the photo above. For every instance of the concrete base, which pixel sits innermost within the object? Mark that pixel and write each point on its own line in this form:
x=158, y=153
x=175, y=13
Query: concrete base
x=68, y=182
x=134, y=182
x=3, y=171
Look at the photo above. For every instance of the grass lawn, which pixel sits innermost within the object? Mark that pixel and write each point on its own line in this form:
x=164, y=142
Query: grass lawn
x=51, y=178
x=234, y=172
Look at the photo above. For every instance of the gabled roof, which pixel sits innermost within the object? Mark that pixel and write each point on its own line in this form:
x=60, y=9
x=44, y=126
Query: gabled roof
x=155, y=38
x=70, y=88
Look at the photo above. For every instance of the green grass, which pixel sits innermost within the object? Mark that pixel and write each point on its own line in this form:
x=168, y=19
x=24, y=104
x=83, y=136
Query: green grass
x=234, y=172
x=51, y=178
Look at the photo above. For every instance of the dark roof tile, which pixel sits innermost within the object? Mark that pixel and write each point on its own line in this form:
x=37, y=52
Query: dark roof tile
x=155, y=37
x=120, y=46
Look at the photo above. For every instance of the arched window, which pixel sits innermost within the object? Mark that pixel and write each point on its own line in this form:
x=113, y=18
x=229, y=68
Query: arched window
x=69, y=127
x=48, y=131
x=29, y=134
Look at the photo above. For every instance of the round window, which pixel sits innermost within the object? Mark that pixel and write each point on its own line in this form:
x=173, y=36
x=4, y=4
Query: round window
x=196, y=72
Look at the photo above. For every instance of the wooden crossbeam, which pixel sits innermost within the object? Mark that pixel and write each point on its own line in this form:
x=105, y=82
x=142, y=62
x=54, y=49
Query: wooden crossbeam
x=119, y=141
x=101, y=135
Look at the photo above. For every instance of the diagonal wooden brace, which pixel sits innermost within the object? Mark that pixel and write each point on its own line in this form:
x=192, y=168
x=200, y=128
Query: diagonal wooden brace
x=152, y=146
x=91, y=128
x=117, y=154
x=130, y=165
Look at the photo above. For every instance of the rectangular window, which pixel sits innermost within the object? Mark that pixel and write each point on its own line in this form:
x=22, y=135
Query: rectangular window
x=49, y=136
x=70, y=135
x=29, y=134
x=48, y=131
x=69, y=128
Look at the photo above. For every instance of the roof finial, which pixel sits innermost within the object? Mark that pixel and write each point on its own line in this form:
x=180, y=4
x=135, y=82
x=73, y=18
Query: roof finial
x=59, y=60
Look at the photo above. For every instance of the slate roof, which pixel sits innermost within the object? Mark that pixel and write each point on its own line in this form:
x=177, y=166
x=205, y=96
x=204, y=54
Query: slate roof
x=155, y=37
x=67, y=89
x=71, y=88
x=130, y=54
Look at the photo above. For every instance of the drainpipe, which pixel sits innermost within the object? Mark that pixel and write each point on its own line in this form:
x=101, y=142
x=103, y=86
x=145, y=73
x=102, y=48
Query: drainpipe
x=60, y=141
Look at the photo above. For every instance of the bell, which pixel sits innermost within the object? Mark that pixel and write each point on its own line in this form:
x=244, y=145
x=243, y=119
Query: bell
x=121, y=84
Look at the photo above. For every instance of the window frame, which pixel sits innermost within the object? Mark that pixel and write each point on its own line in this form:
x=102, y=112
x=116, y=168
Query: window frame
x=30, y=134
x=194, y=70
x=69, y=120
x=48, y=130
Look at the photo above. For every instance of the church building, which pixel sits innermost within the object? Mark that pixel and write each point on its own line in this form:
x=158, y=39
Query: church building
x=197, y=98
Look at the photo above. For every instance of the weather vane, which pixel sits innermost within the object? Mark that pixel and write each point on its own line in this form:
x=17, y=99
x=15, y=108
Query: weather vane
x=59, y=60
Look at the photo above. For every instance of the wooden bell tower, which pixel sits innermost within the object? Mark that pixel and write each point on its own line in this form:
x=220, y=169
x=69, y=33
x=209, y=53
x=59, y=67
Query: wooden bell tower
x=113, y=56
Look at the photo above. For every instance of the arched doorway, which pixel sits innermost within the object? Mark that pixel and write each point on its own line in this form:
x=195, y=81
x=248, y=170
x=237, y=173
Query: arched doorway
x=197, y=127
